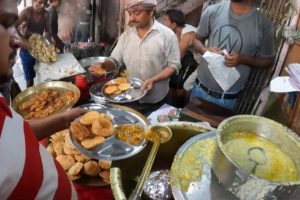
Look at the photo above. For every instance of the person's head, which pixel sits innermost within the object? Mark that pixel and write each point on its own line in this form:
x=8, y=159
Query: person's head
x=140, y=12
x=10, y=39
x=39, y=5
x=174, y=18
x=55, y=3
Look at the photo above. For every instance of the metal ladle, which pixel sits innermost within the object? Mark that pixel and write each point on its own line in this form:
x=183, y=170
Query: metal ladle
x=257, y=156
x=157, y=134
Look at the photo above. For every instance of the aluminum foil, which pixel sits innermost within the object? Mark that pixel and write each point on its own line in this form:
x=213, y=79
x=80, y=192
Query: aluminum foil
x=158, y=185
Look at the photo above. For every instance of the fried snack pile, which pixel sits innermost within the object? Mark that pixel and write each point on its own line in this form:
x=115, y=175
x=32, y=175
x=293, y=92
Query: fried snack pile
x=46, y=53
x=73, y=162
x=96, y=69
x=45, y=102
x=92, y=128
x=120, y=85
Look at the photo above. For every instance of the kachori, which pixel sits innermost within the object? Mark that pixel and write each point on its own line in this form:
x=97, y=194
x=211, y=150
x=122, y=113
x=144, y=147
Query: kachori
x=73, y=162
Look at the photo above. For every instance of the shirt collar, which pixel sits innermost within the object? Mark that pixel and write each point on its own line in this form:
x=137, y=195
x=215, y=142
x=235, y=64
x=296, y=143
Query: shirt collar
x=154, y=27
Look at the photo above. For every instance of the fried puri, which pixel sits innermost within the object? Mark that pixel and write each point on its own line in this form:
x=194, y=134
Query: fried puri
x=91, y=168
x=75, y=169
x=90, y=143
x=120, y=80
x=104, y=164
x=89, y=117
x=124, y=86
x=66, y=161
x=79, y=131
x=111, y=89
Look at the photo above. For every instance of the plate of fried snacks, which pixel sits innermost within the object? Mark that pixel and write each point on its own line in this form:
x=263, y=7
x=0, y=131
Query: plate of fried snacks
x=46, y=99
x=109, y=132
x=79, y=168
x=123, y=90
x=42, y=49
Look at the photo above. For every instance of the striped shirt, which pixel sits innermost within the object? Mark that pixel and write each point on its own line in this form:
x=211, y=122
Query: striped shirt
x=27, y=170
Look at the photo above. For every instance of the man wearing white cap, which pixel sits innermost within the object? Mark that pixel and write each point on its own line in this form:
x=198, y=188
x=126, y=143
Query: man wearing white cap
x=148, y=49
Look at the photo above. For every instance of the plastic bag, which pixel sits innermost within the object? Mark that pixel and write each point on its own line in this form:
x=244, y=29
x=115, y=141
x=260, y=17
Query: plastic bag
x=225, y=76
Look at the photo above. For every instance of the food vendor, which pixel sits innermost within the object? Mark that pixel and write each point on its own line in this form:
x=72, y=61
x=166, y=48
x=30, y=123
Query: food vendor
x=149, y=50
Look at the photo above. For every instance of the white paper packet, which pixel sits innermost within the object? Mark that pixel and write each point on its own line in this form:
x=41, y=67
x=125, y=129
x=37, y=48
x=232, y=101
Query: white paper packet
x=225, y=76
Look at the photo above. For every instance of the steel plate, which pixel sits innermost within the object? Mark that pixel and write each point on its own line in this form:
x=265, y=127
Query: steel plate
x=207, y=187
x=112, y=148
x=134, y=93
x=91, y=60
x=47, y=42
x=60, y=86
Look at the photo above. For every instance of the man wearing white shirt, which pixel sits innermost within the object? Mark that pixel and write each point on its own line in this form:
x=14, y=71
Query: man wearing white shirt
x=148, y=49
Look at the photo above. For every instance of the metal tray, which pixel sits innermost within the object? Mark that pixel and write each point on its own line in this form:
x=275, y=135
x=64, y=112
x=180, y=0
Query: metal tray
x=134, y=93
x=91, y=60
x=112, y=148
x=60, y=86
x=47, y=42
x=207, y=187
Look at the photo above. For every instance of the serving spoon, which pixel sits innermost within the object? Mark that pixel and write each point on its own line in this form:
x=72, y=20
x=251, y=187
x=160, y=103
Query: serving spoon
x=157, y=134
x=256, y=156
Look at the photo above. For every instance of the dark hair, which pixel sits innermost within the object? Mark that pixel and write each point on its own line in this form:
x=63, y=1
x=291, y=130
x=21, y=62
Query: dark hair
x=176, y=16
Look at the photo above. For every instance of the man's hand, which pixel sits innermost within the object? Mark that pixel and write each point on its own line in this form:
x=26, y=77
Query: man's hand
x=71, y=115
x=148, y=85
x=215, y=50
x=232, y=59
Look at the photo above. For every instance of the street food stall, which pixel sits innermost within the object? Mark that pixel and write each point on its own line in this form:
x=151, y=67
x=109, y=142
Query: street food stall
x=115, y=151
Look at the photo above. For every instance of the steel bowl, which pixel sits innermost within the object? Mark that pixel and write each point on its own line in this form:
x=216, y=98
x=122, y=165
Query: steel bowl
x=59, y=86
x=94, y=78
x=252, y=187
x=124, y=173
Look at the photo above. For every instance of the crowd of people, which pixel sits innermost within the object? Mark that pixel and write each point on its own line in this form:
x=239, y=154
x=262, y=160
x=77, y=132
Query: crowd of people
x=150, y=50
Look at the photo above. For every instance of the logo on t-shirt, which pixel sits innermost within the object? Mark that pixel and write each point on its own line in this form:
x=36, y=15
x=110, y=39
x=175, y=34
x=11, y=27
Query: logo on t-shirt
x=228, y=37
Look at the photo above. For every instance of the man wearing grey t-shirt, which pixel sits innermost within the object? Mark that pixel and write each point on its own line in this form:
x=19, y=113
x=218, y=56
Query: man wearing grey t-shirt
x=248, y=37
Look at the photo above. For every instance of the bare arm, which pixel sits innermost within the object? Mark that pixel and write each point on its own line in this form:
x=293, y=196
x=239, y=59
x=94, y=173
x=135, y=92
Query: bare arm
x=200, y=47
x=23, y=17
x=164, y=74
x=235, y=59
x=46, y=127
x=185, y=43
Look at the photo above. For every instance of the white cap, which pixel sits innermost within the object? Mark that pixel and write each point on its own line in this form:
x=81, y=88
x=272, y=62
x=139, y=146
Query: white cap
x=140, y=4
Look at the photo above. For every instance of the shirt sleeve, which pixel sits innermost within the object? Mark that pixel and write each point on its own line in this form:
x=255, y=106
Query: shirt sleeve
x=203, y=29
x=117, y=54
x=267, y=47
x=173, y=53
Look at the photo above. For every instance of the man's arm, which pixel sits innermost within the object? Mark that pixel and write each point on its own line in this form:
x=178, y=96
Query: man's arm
x=23, y=16
x=200, y=47
x=185, y=43
x=46, y=127
x=234, y=59
x=164, y=74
